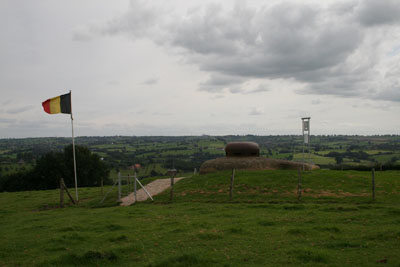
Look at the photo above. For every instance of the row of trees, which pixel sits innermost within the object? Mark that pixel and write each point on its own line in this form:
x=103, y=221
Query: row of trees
x=49, y=168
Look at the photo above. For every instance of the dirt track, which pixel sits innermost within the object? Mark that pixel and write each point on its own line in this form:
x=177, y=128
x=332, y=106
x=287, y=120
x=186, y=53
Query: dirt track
x=153, y=188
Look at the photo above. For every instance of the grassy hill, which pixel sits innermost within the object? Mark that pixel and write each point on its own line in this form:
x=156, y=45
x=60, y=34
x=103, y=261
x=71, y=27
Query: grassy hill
x=336, y=223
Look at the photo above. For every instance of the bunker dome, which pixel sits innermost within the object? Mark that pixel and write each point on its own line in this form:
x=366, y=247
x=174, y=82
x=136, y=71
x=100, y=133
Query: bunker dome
x=242, y=149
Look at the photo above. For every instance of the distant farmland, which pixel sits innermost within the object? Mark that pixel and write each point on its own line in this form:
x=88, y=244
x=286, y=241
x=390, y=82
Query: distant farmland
x=157, y=154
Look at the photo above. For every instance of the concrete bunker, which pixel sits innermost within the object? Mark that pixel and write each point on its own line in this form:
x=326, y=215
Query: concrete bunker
x=246, y=156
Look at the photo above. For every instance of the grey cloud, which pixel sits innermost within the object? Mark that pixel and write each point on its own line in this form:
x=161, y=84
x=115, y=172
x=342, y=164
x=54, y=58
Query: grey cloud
x=137, y=22
x=316, y=101
x=375, y=13
x=15, y=128
x=320, y=48
x=5, y=120
x=236, y=90
x=6, y=102
x=281, y=41
x=151, y=81
x=211, y=89
x=222, y=80
x=140, y=112
x=341, y=85
x=389, y=94
x=260, y=89
x=113, y=83
x=285, y=41
x=389, y=88
x=256, y=112
x=218, y=82
x=217, y=96
x=161, y=113
x=19, y=109
x=234, y=86
x=207, y=33
x=84, y=33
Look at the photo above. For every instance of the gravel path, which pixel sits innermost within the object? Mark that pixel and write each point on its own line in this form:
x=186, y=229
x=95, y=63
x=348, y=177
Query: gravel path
x=153, y=188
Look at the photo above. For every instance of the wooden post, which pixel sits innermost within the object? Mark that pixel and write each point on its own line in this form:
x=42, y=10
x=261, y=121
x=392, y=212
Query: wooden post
x=66, y=190
x=102, y=187
x=231, y=187
x=112, y=187
x=119, y=186
x=129, y=184
x=61, y=193
x=373, y=184
x=172, y=188
x=135, y=187
x=299, y=186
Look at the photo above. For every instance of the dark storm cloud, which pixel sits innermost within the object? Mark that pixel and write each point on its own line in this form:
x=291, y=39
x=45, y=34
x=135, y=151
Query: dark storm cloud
x=375, y=13
x=321, y=48
x=293, y=41
x=283, y=41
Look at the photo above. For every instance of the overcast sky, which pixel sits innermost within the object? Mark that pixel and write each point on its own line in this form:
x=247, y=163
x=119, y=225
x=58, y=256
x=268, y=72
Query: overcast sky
x=183, y=67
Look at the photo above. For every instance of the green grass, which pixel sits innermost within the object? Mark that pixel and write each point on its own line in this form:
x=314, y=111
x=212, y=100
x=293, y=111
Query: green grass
x=316, y=159
x=386, y=158
x=335, y=224
x=322, y=186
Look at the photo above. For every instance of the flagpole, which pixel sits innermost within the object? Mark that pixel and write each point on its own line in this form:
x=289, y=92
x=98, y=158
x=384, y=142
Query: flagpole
x=73, y=151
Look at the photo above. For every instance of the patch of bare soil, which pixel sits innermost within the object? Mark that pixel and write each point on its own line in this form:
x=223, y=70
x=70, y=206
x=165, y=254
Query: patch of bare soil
x=154, y=188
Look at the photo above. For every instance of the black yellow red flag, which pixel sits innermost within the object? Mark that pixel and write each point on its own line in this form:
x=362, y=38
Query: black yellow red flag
x=58, y=104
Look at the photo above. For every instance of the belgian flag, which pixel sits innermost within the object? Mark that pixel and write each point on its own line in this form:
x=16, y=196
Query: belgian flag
x=58, y=104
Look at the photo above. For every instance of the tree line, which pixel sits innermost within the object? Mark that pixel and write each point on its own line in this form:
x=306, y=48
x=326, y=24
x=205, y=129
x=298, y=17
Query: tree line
x=52, y=166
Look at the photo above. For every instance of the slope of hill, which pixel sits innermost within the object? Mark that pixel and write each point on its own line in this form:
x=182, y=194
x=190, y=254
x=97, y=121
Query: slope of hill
x=336, y=223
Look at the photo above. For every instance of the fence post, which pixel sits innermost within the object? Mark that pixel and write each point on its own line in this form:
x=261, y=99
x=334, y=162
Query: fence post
x=129, y=184
x=102, y=187
x=135, y=187
x=373, y=184
x=66, y=190
x=119, y=186
x=61, y=193
x=231, y=187
x=172, y=188
x=299, y=186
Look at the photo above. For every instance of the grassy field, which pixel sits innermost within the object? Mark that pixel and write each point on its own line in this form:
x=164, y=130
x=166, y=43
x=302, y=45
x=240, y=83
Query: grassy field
x=335, y=224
